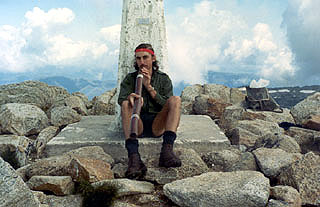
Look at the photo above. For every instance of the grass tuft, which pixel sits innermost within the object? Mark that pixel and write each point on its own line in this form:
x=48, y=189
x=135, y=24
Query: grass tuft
x=101, y=196
x=10, y=157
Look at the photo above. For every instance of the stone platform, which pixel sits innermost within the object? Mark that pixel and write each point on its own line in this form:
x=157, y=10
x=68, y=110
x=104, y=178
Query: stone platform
x=195, y=131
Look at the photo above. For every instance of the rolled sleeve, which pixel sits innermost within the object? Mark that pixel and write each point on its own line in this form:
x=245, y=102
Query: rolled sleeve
x=126, y=87
x=164, y=91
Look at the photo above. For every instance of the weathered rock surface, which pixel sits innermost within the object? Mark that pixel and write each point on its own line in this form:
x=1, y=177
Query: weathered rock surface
x=188, y=96
x=59, y=201
x=246, y=162
x=273, y=161
x=209, y=99
x=52, y=166
x=32, y=92
x=205, y=105
x=40, y=196
x=313, y=122
x=287, y=194
x=222, y=160
x=44, y=137
x=105, y=103
x=274, y=117
x=304, y=175
x=230, y=160
x=14, y=149
x=224, y=93
x=22, y=119
x=309, y=140
x=223, y=189
x=277, y=203
x=247, y=132
x=235, y=113
x=147, y=199
x=123, y=204
x=304, y=109
x=77, y=104
x=91, y=170
x=59, y=185
x=127, y=187
x=84, y=98
x=59, y=165
x=64, y=115
x=189, y=93
x=280, y=141
x=13, y=191
x=92, y=152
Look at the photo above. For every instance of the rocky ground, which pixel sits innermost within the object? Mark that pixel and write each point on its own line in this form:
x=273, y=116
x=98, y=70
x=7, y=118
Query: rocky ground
x=272, y=159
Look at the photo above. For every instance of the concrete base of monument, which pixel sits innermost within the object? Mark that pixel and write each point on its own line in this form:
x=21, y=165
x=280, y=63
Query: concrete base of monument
x=197, y=132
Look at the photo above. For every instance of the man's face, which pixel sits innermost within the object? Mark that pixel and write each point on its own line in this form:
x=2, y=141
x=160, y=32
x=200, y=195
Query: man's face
x=144, y=60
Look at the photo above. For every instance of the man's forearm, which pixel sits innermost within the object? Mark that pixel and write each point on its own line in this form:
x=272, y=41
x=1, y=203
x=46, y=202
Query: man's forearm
x=152, y=91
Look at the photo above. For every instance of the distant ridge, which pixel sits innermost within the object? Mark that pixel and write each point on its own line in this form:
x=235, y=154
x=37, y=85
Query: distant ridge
x=287, y=97
x=90, y=88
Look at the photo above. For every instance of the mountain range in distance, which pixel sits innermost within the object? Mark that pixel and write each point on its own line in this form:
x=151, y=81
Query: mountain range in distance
x=286, y=97
x=93, y=88
x=90, y=88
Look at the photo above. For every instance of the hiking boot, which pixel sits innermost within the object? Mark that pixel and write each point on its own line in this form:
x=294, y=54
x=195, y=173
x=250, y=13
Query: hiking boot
x=136, y=168
x=168, y=158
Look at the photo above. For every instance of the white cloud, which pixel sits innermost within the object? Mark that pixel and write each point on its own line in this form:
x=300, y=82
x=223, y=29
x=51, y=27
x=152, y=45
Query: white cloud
x=39, y=42
x=301, y=21
x=207, y=38
x=263, y=38
x=196, y=39
x=278, y=66
x=11, y=44
x=276, y=62
x=65, y=51
x=7, y=33
x=259, y=84
x=40, y=18
x=239, y=49
x=112, y=33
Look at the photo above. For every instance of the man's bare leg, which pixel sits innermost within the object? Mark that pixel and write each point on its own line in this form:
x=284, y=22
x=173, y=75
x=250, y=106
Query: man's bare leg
x=136, y=168
x=166, y=123
x=126, y=112
x=168, y=118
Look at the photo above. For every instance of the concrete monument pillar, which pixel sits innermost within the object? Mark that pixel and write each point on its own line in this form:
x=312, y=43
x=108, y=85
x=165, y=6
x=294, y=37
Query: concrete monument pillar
x=142, y=22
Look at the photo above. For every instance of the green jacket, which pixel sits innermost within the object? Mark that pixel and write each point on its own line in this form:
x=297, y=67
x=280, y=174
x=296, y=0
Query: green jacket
x=160, y=82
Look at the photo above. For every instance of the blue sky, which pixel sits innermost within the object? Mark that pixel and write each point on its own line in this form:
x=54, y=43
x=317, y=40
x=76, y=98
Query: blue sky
x=277, y=40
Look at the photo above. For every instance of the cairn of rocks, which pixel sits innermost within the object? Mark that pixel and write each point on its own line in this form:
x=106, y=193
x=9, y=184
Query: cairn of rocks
x=272, y=161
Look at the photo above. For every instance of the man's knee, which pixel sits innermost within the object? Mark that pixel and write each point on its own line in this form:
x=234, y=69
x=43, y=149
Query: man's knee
x=125, y=107
x=125, y=104
x=174, y=101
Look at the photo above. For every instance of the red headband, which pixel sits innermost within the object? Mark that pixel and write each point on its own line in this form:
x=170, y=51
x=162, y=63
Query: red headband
x=144, y=50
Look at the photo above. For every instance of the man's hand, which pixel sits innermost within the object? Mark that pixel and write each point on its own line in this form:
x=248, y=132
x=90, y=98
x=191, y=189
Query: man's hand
x=146, y=77
x=132, y=97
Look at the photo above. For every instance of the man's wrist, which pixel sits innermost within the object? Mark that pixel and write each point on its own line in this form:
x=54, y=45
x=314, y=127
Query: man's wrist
x=150, y=88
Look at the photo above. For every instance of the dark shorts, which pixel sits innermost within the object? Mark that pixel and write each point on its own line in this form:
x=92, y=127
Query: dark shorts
x=147, y=120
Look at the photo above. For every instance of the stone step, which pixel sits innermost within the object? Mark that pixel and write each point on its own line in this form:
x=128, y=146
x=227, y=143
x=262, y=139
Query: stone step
x=197, y=132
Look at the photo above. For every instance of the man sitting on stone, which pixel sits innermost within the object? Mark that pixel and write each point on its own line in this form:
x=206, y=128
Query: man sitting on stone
x=160, y=112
